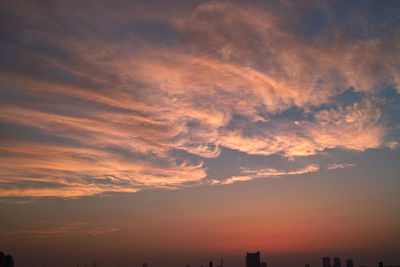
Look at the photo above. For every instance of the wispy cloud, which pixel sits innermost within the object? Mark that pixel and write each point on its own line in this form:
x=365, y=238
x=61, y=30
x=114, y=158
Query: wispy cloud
x=94, y=105
x=393, y=144
x=73, y=229
x=250, y=174
x=340, y=166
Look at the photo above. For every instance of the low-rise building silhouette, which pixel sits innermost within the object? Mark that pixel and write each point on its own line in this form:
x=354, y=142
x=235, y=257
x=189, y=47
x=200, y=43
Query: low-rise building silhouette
x=326, y=262
x=336, y=262
x=253, y=259
x=6, y=260
x=349, y=263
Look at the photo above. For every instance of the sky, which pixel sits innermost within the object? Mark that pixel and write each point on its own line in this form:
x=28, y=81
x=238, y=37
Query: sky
x=171, y=132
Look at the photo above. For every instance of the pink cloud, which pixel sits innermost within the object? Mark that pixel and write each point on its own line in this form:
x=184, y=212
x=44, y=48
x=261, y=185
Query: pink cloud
x=250, y=174
x=127, y=106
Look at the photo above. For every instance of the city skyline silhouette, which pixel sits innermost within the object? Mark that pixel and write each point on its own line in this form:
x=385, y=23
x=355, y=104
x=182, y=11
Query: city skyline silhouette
x=252, y=259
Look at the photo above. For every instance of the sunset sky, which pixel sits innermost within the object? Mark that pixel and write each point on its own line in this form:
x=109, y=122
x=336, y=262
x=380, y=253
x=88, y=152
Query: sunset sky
x=172, y=132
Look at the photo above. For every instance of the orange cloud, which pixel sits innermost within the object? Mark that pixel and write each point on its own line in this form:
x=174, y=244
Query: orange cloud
x=249, y=174
x=105, y=116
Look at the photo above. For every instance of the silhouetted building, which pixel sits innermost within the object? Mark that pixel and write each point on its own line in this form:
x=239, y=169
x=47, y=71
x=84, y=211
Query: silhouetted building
x=144, y=264
x=210, y=264
x=326, y=262
x=307, y=265
x=336, y=262
x=2, y=259
x=349, y=263
x=263, y=264
x=6, y=260
x=253, y=259
x=380, y=264
x=222, y=262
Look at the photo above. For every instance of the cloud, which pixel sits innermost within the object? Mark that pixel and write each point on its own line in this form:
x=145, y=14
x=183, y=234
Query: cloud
x=340, y=166
x=353, y=127
x=72, y=229
x=250, y=174
x=93, y=105
x=392, y=145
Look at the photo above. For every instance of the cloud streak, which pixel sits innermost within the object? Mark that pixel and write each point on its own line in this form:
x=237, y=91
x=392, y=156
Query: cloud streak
x=250, y=174
x=340, y=166
x=73, y=229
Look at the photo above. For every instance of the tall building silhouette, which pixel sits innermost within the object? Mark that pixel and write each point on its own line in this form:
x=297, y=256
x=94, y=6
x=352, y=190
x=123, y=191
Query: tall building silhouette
x=326, y=262
x=349, y=263
x=210, y=264
x=336, y=262
x=253, y=259
x=222, y=262
x=380, y=264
